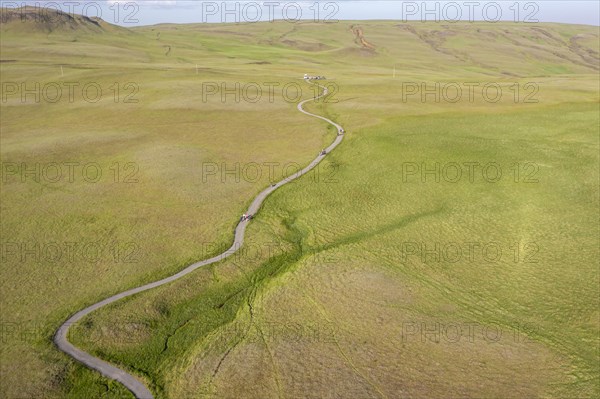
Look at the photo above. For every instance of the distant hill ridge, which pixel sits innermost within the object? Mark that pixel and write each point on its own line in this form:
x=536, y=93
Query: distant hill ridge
x=48, y=20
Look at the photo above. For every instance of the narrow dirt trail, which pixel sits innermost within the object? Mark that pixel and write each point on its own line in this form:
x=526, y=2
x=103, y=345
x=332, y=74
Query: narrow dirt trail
x=139, y=390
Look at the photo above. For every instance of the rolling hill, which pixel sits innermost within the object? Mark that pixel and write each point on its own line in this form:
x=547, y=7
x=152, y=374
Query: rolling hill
x=351, y=285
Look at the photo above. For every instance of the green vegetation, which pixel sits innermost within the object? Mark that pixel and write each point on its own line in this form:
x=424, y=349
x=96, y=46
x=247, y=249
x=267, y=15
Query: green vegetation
x=335, y=295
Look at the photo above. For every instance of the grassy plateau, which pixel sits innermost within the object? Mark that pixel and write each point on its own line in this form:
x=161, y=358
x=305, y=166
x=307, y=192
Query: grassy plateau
x=448, y=248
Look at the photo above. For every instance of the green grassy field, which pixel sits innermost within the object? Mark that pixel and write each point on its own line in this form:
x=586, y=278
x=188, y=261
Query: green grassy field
x=350, y=284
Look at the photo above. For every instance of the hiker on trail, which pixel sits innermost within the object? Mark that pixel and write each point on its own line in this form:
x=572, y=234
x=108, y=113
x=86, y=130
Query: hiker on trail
x=244, y=217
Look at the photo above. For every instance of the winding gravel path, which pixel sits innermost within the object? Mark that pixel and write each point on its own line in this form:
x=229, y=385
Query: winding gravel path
x=132, y=383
